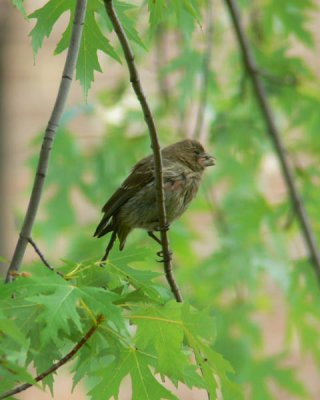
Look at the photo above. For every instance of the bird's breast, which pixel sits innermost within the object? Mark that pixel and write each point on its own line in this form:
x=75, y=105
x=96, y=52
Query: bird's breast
x=179, y=191
x=191, y=187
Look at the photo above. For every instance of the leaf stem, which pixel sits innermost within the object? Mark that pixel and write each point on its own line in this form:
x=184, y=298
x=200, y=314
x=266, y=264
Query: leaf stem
x=48, y=138
x=135, y=81
x=251, y=66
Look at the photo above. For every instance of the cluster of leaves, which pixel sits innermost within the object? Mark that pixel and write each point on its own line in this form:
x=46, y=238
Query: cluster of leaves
x=249, y=269
x=96, y=23
x=144, y=332
x=258, y=231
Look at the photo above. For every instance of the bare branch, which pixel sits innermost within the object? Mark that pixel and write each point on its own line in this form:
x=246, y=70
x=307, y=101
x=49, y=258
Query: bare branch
x=261, y=96
x=58, y=364
x=48, y=138
x=40, y=254
x=135, y=81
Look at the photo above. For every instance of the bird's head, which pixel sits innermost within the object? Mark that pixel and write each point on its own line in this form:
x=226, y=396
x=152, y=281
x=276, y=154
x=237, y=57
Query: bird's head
x=191, y=153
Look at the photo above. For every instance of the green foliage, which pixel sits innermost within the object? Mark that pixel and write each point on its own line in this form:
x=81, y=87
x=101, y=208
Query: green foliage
x=63, y=309
x=252, y=273
x=93, y=39
x=182, y=10
x=290, y=18
x=20, y=6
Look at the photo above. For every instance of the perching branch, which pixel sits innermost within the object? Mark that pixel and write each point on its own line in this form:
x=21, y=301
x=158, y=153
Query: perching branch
x=58, y=364
x=135, y=81
x=48, y=138
x=205, y=72
x=260, y=93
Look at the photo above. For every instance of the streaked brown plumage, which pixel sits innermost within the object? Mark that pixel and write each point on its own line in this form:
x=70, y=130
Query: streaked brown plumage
x=134, y=204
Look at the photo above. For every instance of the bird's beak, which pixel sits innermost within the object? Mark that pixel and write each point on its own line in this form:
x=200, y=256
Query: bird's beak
x=206, y=160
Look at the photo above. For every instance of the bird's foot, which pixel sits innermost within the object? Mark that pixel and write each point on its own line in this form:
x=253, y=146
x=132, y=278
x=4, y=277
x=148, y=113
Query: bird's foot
x=164, y=258
x=154, y=237
x=163, y=228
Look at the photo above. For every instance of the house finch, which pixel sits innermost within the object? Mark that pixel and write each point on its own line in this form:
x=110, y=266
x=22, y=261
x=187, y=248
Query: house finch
x=134, y=204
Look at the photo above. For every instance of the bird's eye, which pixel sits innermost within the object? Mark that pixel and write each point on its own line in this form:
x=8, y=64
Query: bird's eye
x=197, y=152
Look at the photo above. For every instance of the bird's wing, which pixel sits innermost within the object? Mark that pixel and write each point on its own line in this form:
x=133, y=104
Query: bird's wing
x=141, y=175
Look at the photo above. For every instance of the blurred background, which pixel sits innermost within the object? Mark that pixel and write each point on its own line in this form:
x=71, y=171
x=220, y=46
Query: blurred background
x=238, y=250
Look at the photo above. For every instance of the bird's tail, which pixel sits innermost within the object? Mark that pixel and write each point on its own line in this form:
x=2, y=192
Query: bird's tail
x=103, y=227
x=109, y=247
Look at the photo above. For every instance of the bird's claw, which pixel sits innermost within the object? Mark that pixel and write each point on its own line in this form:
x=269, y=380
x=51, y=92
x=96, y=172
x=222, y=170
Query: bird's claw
x=163, y=258
x=163, y=228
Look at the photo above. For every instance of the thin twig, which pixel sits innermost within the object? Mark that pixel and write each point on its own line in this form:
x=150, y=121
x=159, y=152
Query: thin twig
x=135, y=81
x=42, y=257
x=205, y=73
x=48, y=138
x=58, y=364
x=286, y=80
x=261, y=96
x=40, y=254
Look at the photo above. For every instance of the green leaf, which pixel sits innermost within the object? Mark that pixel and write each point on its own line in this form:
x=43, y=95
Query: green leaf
x=199, y=323
x=187, y=63
x=9, y=328
x=161, y=10
x=127, y=22
x=191, y=6
x=200, y=332
x=292, y=18
x=59, y=304
x=92, y=41
x=160, y=327
x=43, y=357
x=46, y=17
x=19, y=5
x=270, y=369
x=104, y=345
x=11, y=373
x=157, y=10
x=60, y=308
x=137, y=278
x=136, y=364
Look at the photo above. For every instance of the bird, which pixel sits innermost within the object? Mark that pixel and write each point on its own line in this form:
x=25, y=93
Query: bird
x=134, y=204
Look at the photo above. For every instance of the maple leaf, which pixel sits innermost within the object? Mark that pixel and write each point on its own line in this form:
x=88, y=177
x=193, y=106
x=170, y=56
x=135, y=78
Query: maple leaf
x=92, y=41
x=136, y=364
